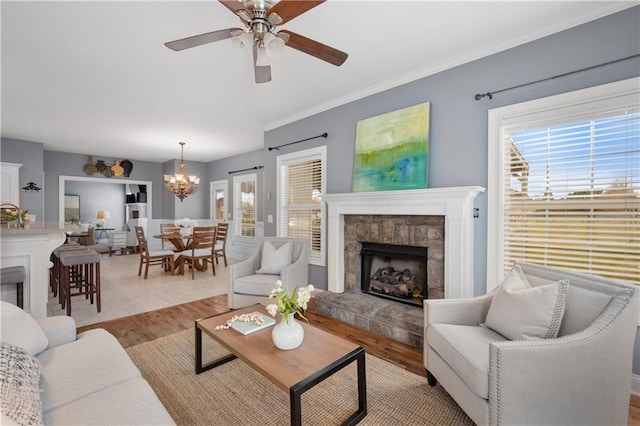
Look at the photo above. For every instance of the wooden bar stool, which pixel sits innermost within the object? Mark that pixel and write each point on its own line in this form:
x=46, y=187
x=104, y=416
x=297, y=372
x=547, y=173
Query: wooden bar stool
x=80, y=271
x=15, y=275
x=55, y=274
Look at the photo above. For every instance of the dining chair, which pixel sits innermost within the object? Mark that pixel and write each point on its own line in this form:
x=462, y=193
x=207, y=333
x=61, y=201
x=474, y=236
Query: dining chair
x=220, y=246
x=200, y=249
x=168, y=229
x=152, y=257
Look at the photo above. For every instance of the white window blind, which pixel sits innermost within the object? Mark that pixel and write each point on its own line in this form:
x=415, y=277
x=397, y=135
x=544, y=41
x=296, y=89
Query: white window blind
x=301, y=185
x=571, y=191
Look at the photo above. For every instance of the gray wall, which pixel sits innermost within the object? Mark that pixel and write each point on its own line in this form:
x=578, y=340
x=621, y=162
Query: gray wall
x=29, y=154
x=100, y=196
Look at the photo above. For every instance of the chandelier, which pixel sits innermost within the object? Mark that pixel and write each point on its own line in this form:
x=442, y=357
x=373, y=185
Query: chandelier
x=182, y=184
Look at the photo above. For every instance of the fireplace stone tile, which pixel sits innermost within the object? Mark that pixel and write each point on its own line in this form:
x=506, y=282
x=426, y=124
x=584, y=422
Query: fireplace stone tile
x=400, y=322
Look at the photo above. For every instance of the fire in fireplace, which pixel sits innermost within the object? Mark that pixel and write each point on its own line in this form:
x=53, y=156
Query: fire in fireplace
x=394, y=272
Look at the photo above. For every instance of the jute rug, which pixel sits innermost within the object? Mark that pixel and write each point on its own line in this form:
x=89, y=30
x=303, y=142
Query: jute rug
x=234, y=394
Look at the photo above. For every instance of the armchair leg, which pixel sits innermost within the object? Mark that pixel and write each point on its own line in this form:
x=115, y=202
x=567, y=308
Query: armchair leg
x=431, y=379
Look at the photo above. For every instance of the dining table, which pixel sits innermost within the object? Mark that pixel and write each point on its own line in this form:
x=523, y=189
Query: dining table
x=180, y=242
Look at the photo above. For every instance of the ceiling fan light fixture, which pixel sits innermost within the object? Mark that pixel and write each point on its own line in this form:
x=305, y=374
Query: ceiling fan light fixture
x=262, y=60
x=274, y=45
x=243, y=43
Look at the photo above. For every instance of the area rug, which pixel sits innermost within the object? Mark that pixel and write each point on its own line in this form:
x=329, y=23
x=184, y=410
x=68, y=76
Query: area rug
x=234, y=394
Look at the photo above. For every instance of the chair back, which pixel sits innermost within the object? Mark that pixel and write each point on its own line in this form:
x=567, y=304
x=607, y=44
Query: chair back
x=89, y=239
x=169, y=229
x=203, y=237
x=142, y=241
x=221, y=233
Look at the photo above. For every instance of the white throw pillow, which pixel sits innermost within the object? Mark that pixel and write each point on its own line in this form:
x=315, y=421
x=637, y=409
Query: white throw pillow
x=273, y=260
x=20, y=329
x=521, y=312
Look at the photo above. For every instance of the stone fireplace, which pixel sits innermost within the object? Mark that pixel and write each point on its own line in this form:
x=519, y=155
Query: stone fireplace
x=439, y=219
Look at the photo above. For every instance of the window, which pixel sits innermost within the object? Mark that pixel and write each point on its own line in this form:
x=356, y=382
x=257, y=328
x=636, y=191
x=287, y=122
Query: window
x=218, y=201
x=565, y=183
x=301, y=184
x=245, y=205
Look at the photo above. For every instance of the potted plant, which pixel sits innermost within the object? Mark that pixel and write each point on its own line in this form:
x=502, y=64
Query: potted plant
x=16, y=217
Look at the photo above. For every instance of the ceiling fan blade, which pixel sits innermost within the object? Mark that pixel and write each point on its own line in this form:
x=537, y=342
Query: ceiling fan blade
x=289, y=9
x=314, y=48
x=200, y=39
x=233, y=5
x=262, y=73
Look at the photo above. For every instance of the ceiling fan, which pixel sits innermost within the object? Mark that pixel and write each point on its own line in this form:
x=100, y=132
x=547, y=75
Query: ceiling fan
x=261, y=35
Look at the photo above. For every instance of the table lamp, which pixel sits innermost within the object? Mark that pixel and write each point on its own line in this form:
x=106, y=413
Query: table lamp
x=102, y=216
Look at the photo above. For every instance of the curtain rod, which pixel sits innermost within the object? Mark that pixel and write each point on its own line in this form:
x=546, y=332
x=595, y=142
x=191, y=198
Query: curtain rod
x=244, y=170
x=490, y=94
x=324, y=135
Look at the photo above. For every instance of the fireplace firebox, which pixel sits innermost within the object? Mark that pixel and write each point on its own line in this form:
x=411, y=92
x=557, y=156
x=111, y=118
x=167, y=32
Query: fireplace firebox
x=394, y=272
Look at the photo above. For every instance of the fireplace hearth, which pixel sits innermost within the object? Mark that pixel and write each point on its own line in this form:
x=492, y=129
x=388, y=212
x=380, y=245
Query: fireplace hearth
x=394, y=272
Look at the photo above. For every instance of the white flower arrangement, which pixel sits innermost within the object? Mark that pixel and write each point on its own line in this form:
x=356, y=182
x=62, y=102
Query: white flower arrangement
x=185, y=223
x=289, y=303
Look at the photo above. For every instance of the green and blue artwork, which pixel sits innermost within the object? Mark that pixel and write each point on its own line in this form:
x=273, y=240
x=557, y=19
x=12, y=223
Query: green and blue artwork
x=392, y=150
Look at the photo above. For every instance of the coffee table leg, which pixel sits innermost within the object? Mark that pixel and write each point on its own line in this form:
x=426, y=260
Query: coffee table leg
x=296, y=391
x=213, y=364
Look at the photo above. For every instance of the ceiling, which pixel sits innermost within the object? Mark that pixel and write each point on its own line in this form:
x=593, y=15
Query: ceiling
x=95, y=77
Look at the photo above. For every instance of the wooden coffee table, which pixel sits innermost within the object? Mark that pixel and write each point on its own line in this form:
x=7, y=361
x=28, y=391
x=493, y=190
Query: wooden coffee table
x=294, y=371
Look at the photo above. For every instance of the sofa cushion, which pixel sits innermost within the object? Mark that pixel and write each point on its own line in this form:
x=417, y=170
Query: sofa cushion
x=519, y=311
x=20, y=329
x=582, y=308
x=256, y=285
x=587, y=296
x=274, y=259
x=131, y=402
x=19, y=392
x=466, y=350
x=93, y=362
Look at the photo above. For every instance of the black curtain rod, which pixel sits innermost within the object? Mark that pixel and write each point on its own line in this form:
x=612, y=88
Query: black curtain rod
x=324, y=135
x=244, y=170
x=490, y=94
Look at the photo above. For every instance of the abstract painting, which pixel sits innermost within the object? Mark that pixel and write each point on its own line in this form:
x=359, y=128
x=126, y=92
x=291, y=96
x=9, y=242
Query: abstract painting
x=392, y=150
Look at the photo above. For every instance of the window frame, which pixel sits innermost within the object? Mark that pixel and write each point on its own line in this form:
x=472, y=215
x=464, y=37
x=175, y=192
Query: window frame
x=237, y=205
x=215, y=186
x=298, y=157
x=569, y=104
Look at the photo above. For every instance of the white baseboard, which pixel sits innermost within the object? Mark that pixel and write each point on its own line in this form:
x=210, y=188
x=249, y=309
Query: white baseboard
x=635, y=384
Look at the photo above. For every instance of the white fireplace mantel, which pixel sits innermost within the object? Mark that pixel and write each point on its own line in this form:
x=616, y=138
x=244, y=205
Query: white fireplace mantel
x=455, y=204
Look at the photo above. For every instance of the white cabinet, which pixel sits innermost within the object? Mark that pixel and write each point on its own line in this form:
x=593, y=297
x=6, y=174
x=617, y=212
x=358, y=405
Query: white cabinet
x=118, y=240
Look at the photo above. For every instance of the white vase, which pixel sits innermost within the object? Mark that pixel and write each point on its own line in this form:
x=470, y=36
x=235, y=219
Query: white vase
x=287, y=334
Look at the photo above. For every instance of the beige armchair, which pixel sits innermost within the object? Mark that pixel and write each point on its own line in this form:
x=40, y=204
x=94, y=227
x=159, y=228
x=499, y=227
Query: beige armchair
x=581, y=377
x=252, y=280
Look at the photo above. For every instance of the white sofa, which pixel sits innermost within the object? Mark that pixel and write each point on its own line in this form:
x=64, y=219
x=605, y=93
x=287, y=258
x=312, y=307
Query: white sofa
x=84, y=379
x=576, y=371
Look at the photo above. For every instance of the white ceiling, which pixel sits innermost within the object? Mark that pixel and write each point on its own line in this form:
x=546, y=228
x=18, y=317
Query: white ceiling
x=95, y=78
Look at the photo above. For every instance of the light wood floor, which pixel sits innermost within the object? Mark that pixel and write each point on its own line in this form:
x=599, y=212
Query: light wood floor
x=148, y=326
